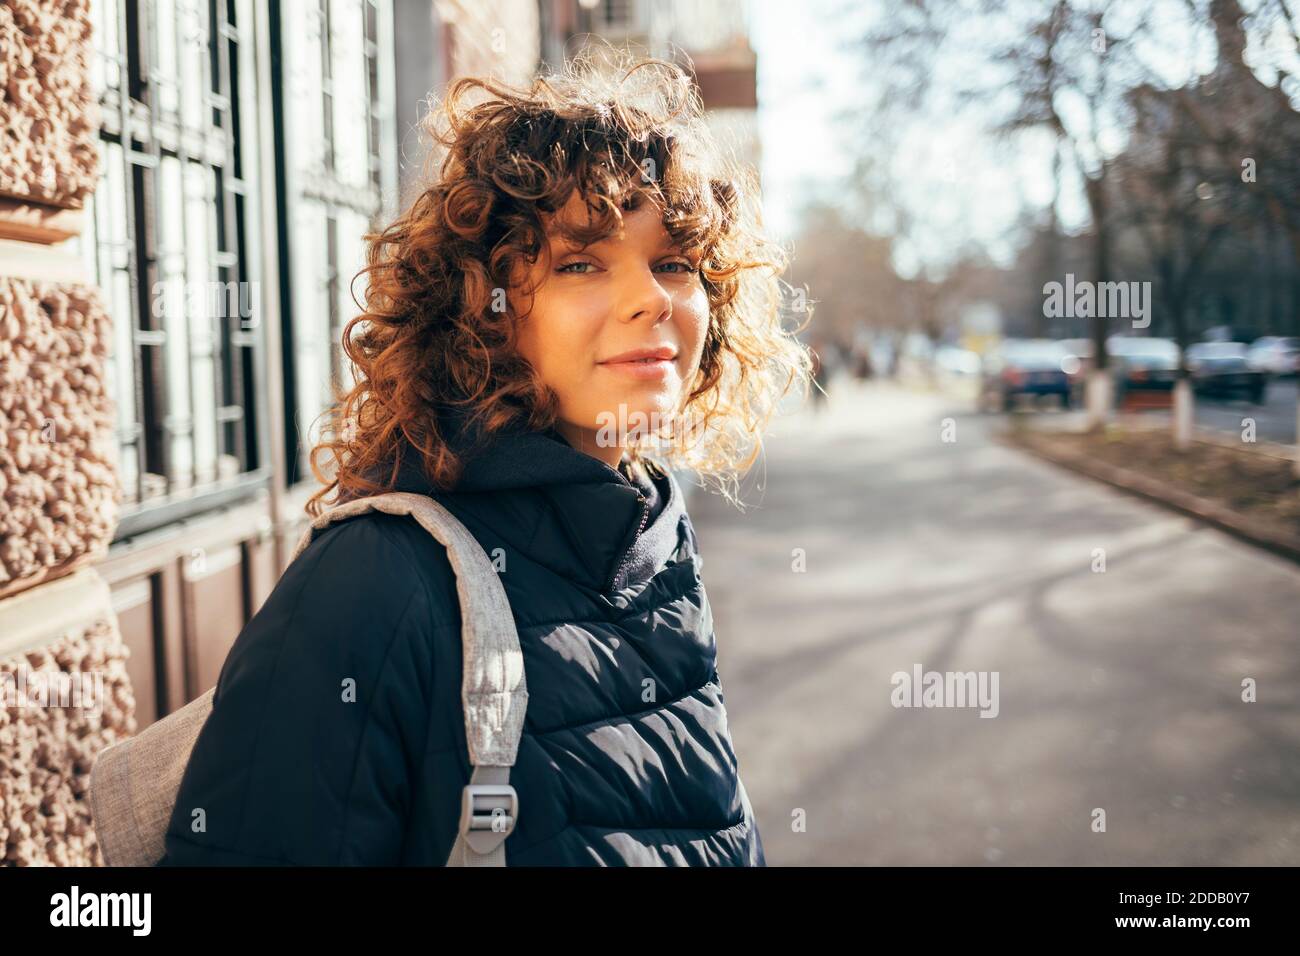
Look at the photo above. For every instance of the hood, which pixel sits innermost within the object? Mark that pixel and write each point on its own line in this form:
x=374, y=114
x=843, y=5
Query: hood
x=568, y=511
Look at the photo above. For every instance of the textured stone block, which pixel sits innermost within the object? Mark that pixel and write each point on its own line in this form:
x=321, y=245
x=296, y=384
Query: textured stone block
x=49, y=738
x=49, y=119
x=58, y=480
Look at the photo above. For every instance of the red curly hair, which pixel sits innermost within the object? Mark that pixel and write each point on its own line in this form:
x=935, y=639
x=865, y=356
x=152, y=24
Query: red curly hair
x=433, y=333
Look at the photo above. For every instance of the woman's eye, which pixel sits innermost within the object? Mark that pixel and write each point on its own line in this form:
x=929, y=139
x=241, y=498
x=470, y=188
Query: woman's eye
x=681, y=268
x=575, y=268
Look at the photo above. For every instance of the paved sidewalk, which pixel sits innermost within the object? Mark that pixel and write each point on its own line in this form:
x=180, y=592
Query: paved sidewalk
x=1118, y=690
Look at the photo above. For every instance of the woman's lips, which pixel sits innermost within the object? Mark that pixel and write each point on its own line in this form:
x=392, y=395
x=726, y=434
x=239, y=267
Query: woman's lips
x=641, y=368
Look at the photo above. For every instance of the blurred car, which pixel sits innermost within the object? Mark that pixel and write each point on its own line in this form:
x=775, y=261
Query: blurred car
x=1275, y=355
x=1223, y=368
x=1143, y=369
x=1081, y=349
x=1031, y=367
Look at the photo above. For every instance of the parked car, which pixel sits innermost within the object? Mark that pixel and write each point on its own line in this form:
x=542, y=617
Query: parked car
x=1275, y=355
x=1142, y=367
x=1081, y=349
x=1027, y=367
x=1223, y=368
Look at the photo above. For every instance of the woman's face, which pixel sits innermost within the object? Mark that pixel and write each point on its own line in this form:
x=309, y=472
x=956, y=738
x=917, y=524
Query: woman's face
x=596, y=311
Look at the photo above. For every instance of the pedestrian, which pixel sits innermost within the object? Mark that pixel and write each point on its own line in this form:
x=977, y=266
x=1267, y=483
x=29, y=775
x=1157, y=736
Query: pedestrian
x=581, y=303
x=861, y=354
x=818, y=373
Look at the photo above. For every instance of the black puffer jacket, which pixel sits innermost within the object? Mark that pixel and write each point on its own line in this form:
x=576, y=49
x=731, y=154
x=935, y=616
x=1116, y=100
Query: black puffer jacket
x=625, y=759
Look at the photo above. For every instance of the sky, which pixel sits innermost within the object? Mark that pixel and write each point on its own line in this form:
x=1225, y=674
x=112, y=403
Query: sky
x=971, y=191
x=802, y=80
x=965, y=188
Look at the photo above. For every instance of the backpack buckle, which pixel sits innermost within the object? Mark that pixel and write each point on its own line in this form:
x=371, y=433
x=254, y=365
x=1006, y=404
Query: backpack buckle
x=487, y=815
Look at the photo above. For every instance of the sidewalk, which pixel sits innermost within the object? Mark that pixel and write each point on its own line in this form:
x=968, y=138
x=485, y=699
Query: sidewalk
x=1119, y=690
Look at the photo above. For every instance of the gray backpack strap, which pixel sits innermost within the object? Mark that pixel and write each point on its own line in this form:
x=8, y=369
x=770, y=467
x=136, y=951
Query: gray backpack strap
x=493, y=691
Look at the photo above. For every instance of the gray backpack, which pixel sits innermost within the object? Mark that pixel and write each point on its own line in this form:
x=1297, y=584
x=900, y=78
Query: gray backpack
x=133, y=784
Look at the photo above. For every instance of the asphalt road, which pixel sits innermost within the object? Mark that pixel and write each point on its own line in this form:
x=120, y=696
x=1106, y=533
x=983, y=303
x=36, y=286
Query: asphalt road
x=1275, y=420
x=1118, y=690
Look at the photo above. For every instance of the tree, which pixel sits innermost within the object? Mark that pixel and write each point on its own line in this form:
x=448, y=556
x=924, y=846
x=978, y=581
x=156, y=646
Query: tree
x=1171, y=192
x=1061, y=67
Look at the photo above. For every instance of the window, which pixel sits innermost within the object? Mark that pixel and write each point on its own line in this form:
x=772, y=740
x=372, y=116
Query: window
x=334, y=130
x=172, y=234
x=167, y=238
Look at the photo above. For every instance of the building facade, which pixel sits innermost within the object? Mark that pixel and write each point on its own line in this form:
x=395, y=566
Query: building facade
x=709, y=38
x=184, y=199
x=185, y=194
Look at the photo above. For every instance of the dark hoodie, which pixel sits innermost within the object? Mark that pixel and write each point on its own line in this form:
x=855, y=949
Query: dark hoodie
x=626, y=754
x=518, y=458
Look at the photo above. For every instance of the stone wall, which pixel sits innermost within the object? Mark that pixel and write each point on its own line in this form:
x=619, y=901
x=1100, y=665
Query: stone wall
x=47, y=750
x=58, y=486
x=57, y=455
x=48, y=118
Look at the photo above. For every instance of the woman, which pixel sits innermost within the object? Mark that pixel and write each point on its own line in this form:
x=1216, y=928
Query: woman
x=583, y=299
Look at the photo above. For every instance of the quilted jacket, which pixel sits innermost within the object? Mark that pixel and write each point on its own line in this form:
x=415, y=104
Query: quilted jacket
x=337, y=736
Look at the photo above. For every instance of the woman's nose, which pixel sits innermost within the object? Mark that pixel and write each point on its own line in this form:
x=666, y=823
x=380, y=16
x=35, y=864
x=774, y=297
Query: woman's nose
x=646, y=298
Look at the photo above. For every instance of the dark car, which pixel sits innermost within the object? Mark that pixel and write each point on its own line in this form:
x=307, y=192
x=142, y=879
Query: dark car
x=1224, y=369
x=1145, y=369
x=1031, y=367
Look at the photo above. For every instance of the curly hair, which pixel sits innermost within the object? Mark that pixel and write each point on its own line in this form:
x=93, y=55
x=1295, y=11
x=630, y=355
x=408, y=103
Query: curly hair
x=435, y=331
